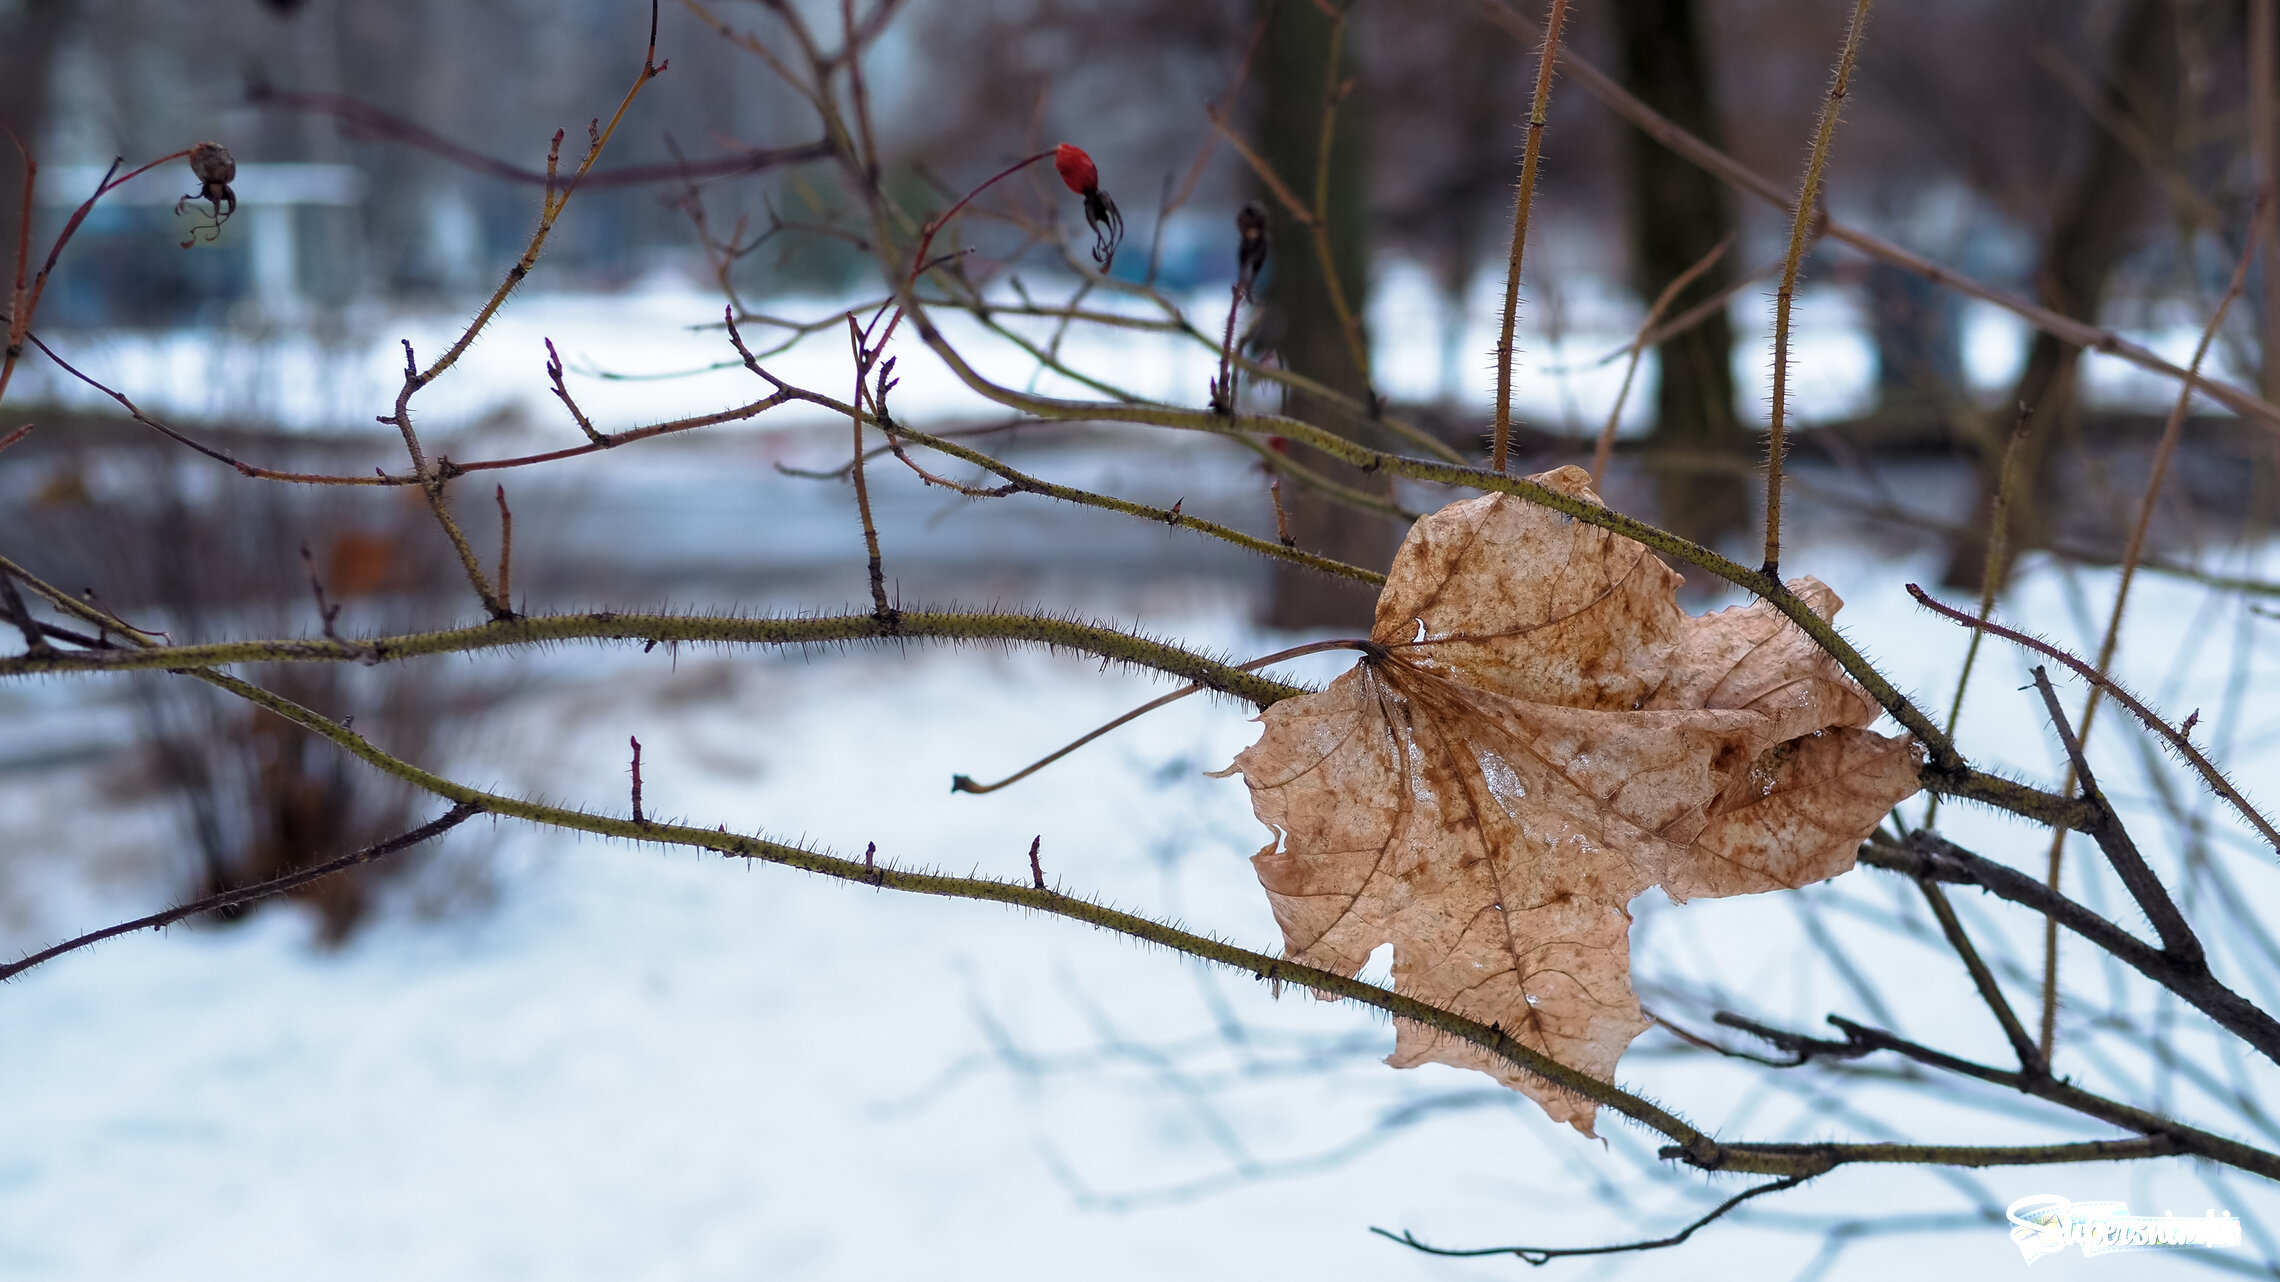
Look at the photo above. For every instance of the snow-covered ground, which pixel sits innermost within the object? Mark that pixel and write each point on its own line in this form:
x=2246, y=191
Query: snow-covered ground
x=637, y=1064
x=657, y=1065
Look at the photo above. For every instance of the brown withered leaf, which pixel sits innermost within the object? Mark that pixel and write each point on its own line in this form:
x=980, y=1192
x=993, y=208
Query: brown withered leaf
x=1543, y=736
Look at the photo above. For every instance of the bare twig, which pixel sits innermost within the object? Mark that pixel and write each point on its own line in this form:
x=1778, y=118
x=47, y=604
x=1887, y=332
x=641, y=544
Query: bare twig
x=1282, y=518
x=1520, y=208
x=1545, y=1254
x=2160, y=1135
x=1926, y=856
x=12, y=603
x=1808, y=197
x=506, y=549
x=965, y=783
x=2177, y=737
x=1638, y=349
x=244, y=895
x=877, y=567
x=562, y=394
x=1022, y=482
x=24, y=300
x=1250, y=258
x=327, y=612
x=638, y=818
x=2152, y=897
x=1982, y=978
x=366, y=120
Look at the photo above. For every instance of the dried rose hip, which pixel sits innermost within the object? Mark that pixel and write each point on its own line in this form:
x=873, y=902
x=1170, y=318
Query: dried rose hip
x=1083, y=177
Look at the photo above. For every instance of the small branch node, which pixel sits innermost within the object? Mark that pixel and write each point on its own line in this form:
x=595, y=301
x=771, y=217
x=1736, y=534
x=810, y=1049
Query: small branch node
x=326, y=610
x=637, y=815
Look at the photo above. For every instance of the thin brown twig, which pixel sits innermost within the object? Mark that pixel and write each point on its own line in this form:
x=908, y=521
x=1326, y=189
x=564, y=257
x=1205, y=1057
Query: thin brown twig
x=1983, y=978
x=1663, y=300
x=244, y=895
x=12, y=604
x=25, y=300
x=638, y=818
x=1711, y=306
x=1022, y=482
x=366, y=120
x=506, y=548
x=558, y=199
x=1521, y=205
x=1226, y=101
x=1927, y=856
x=965, y=783
x=1317, y=229
x=562, y=394
x=2177, y=937
x=877, y=567
x=2175, y=736
x=433, y=482
x=328, y=612
x=19, y=294
x=1545, y=1254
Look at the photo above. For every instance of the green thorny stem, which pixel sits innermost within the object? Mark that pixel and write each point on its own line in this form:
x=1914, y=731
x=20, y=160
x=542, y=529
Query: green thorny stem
x=1696, y=1148
x=1545, y=60
x=1689, y=1144
x=1955, y=778
x=1946, y=770
x=2157, y=1136
x=1808, y=198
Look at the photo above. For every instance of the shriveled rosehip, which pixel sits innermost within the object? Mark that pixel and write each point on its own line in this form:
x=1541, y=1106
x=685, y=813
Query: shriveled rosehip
x=212, y=165
x=1083, y=177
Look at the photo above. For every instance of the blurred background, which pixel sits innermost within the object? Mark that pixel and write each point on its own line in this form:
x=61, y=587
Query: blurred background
x=431, y=1025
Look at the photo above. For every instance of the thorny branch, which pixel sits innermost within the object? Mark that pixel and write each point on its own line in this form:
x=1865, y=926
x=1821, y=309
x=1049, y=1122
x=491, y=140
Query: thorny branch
x=93, y=640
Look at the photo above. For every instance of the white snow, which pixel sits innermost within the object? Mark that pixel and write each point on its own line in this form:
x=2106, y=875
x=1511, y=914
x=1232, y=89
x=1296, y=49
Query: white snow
x=645, y=1064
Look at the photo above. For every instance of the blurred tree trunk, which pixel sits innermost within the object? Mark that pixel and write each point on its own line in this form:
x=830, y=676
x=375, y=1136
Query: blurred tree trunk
x=1919, y=348
x=1293, y=69
x=1678, y=214
x=2090, y=234
x=30, y=31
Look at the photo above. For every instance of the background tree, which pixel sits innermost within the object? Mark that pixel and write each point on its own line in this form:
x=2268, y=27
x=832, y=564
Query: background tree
x=1677, y=215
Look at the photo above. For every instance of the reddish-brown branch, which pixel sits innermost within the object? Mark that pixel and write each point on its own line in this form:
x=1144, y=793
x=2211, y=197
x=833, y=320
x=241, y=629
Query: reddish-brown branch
x=2176, y=737
x=372, y=122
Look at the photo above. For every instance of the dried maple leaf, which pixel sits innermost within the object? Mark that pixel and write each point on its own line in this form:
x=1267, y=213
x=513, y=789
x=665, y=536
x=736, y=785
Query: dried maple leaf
x=1540, y=735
